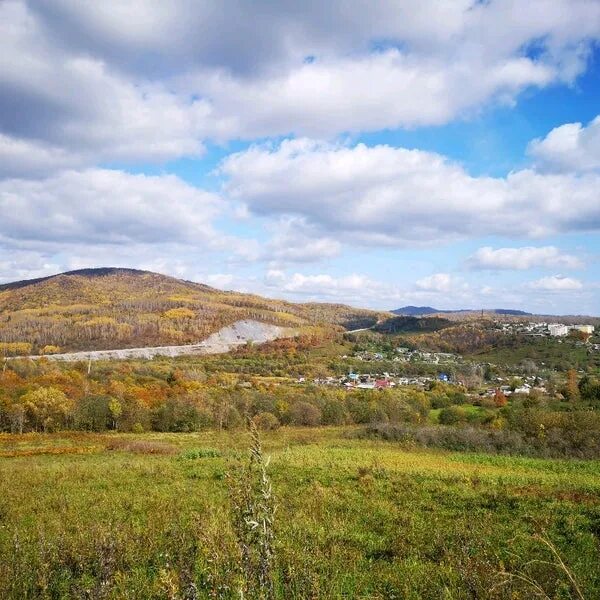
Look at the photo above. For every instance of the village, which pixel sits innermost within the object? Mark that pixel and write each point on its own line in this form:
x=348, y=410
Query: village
x=381, y=381
x=403, y=354
x=544, y=329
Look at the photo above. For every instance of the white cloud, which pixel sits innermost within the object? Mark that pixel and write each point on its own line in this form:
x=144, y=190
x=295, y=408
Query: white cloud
x=362, y=290
x=556, y=283
x=20, y=157
x=101, y=206
x=393, y=196
x=25, y=265
x=377, y=91
x=294, y=242
x=438, y=282
x=322, y=285
x=528, y=257
x=354, y=289
x=219, y=280
x=84, y=82
x=61, y=107
x=570, y=147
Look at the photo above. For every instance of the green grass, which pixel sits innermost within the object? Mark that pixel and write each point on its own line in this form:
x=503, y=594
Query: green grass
x=547, y=352
x=355, y=518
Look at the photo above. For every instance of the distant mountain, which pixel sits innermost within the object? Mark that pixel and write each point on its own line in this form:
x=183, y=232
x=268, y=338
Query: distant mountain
x=512, y=312
x=411, y=324
x=415, y=311
x=419, y=311
x=111, y=308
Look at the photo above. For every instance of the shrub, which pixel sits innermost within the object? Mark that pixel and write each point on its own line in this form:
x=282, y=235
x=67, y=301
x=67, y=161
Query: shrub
x=197, y=453
x=451, y=438
x=453, y=415
x=304, y=413
x=440, y=401
x=266, y=421
x=578, y=437
x=335, y=413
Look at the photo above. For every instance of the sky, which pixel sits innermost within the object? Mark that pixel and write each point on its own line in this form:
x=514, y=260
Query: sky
x=376, y=154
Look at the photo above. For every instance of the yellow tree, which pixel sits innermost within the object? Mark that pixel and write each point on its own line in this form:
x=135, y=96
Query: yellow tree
x=47, y=408
x=116, y=410
x=572, y=389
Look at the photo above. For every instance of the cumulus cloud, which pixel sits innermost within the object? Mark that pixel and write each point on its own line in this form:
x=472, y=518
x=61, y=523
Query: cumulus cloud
x=570, y=147
x=320, y=284
x=102, y=206
x=383, y=195
x=528, y=257
x=556, y=283
x=62, y=107
x=363, y=290
x=25, y=264
x=219, y=280
x=294, y=242
x=440, y=282
x=84, y=82
x=377, y=91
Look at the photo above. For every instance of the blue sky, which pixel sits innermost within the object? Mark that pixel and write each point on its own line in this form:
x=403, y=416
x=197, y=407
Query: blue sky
x=456, y=164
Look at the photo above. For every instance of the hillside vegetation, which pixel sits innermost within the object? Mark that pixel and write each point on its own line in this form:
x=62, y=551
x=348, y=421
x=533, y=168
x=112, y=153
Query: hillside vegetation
x=95, y=309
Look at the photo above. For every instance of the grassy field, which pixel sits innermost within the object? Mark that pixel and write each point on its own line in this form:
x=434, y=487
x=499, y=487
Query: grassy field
x=148, y=516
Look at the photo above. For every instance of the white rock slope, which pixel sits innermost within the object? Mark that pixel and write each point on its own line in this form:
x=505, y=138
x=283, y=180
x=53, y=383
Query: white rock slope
x=224, y=340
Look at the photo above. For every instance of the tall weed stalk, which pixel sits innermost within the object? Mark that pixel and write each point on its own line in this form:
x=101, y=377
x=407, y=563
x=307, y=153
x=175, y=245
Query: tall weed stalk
x=253, y=508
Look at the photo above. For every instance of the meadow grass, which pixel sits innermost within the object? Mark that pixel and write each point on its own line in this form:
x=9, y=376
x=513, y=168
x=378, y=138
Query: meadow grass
x=149, y=516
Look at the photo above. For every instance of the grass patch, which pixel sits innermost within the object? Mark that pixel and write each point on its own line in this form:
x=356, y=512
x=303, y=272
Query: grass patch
x=141, y=446
x=199, y=453
x=355, y=518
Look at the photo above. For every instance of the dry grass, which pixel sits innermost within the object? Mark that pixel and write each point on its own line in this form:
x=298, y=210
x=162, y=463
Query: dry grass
x=50, y=451
x=141, y=446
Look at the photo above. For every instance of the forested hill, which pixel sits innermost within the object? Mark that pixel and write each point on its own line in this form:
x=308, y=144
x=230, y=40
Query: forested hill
x=123, y=308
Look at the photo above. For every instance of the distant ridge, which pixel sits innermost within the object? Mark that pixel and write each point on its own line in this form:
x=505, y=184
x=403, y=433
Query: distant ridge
x=419, y=311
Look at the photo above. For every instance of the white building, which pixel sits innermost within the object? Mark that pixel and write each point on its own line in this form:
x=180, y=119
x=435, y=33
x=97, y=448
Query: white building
x=557, y=329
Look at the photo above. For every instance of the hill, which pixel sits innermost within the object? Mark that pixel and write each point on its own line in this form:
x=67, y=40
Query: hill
x=95, y=309
x=404, y=324
x=419, y=311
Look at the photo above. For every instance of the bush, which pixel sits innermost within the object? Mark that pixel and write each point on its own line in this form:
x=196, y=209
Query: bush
x=579, y=437
x=266, y=421
x=453, y=415
x=196, y=453
x=335, y=413
x=304, y=413
x=440, y=401
x=451, y=438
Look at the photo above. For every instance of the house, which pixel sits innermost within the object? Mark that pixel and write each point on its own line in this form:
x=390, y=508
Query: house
x=381, y=384
x=366, y=386
x=524, y=389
